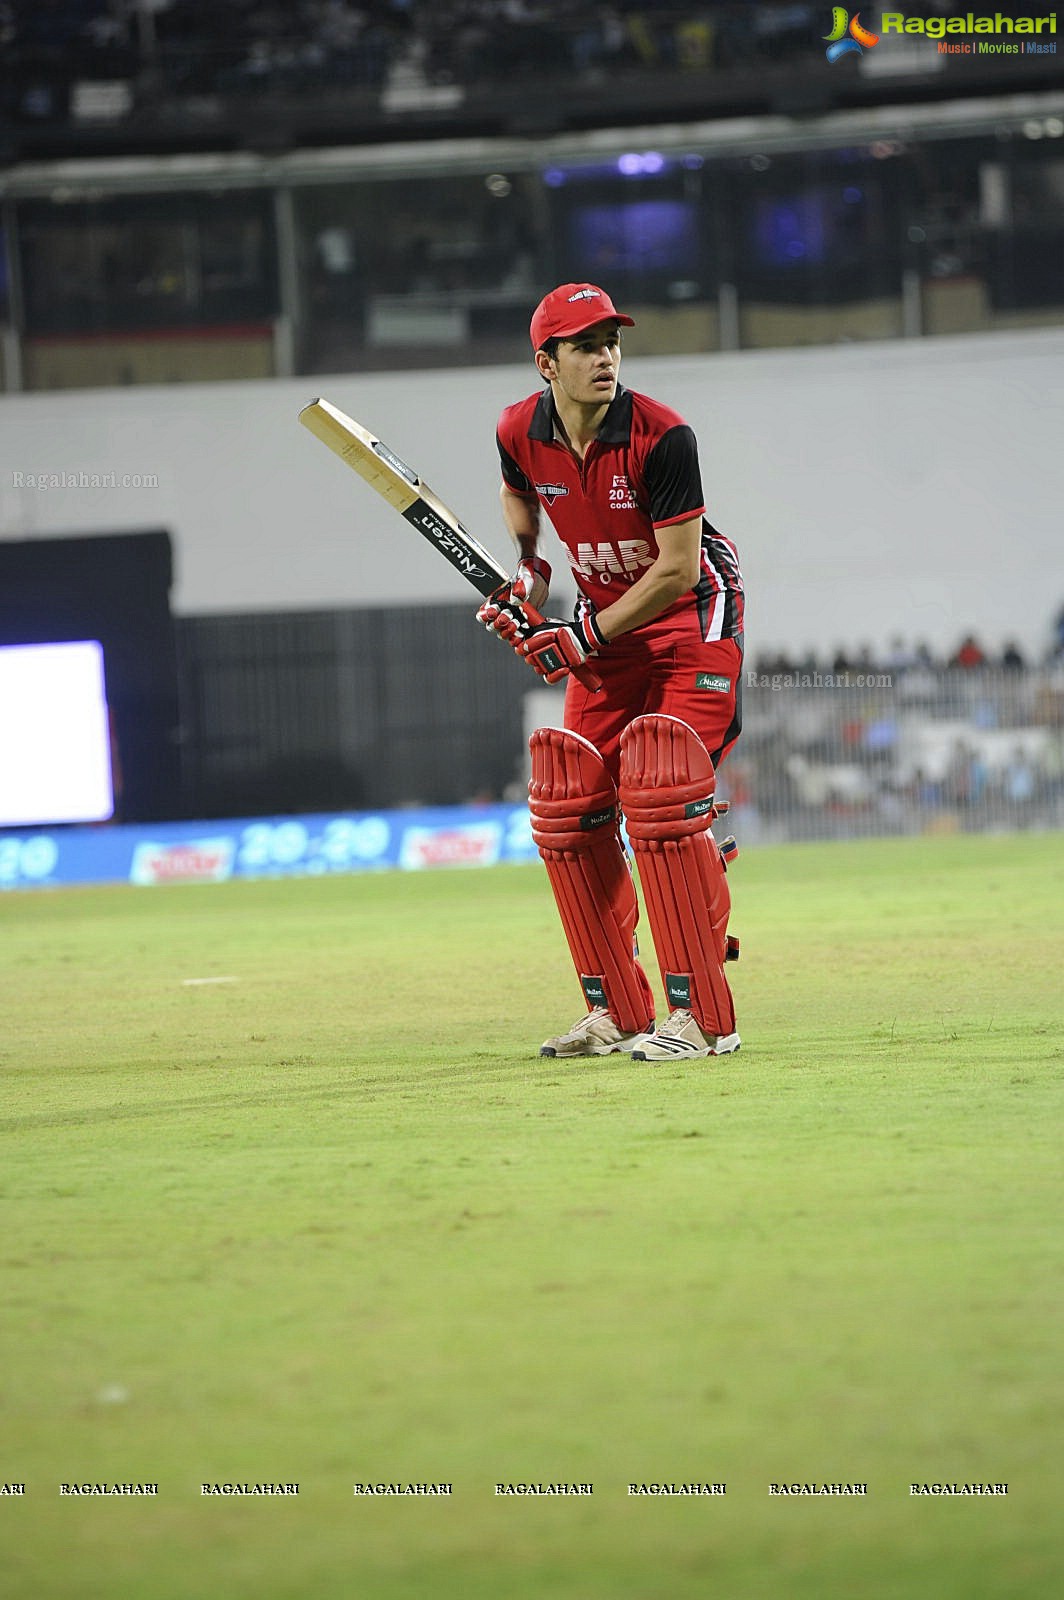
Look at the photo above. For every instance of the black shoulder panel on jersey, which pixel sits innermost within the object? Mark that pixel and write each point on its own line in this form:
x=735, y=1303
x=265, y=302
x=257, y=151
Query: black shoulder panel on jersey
x=512, y=475
x=672, y=474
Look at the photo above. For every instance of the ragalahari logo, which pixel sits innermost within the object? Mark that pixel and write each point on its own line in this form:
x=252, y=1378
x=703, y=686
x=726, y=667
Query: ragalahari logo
x=847, y=38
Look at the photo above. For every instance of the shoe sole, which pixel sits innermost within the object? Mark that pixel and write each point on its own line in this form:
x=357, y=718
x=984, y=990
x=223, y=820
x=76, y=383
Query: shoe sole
x=577, y=1055
x=692, y=1055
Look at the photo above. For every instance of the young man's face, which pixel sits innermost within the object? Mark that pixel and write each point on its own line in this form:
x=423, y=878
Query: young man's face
x=586, y=366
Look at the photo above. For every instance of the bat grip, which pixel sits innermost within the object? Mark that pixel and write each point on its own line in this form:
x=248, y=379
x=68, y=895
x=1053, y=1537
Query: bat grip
x=588, y=677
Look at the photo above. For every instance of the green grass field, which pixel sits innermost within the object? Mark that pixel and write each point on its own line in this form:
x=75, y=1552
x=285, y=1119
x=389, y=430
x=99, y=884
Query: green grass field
x=336, y=1222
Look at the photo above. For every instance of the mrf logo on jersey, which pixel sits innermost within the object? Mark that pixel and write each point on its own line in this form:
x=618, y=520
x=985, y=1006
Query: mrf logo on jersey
x=621, y=496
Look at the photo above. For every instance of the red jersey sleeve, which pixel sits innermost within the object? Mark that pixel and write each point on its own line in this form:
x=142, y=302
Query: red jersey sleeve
x=512, y=475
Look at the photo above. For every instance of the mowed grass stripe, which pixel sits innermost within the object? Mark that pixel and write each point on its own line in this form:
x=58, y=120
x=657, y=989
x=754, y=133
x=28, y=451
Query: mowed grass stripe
x=338, y=1222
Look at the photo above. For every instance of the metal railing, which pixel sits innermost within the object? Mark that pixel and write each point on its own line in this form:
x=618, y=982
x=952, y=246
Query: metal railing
x=855, y=754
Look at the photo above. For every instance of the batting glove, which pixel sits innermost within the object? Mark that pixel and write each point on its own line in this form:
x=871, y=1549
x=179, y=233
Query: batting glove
x=512, y=610
x=501, y=616
x=557, y=648
x=530, y=584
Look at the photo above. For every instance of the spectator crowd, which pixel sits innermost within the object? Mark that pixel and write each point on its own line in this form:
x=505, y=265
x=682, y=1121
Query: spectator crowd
x=219, y=46
x=900, y=658
x=901, y=741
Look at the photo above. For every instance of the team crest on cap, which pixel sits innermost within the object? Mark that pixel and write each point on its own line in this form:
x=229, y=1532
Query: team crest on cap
x=585, y=294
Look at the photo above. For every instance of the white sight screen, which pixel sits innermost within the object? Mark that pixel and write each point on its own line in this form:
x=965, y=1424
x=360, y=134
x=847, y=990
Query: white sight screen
x=55, y=747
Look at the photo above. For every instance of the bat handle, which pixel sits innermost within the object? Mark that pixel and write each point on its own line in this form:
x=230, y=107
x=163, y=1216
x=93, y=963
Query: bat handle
x=588, y=677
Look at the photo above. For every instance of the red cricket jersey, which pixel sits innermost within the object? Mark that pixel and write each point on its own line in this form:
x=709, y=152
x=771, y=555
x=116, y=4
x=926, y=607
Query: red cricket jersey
x=640, y=473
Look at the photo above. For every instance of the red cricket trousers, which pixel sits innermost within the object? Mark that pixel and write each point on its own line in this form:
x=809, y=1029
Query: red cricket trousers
x=673, y=675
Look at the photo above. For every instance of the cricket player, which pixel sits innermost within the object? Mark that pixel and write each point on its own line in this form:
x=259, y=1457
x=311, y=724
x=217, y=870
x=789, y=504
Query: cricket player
x=659, y=620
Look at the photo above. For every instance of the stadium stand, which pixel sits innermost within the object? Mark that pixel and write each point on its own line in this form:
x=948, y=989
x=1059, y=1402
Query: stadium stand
x=193, y=191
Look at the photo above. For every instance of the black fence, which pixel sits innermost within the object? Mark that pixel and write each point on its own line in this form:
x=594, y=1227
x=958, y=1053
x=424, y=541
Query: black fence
x=346, y=709
x=353, y=709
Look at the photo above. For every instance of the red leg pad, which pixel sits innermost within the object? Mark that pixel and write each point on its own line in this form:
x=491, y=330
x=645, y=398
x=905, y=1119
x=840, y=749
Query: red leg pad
x=667, y=784
x=576, y=824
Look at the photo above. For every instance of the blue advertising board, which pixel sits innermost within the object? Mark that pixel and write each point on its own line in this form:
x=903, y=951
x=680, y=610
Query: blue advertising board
x=259, y=847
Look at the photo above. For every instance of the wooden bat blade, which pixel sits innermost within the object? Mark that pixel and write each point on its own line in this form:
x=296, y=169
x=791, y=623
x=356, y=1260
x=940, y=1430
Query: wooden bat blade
x=382, y=469
x=402, y=487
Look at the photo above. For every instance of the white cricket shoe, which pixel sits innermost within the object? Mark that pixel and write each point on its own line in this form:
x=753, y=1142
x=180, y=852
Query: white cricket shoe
x=596, y=1034
x=679, y=1037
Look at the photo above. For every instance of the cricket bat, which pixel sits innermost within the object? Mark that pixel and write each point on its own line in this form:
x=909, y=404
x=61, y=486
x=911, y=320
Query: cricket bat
x=402, y=487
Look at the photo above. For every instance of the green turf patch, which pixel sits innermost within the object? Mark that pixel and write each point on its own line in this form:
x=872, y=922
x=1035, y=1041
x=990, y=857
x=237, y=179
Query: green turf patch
x=333, y=1220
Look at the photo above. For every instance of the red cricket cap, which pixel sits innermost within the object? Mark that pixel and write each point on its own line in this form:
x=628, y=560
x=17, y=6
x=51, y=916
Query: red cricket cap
x=570, y=309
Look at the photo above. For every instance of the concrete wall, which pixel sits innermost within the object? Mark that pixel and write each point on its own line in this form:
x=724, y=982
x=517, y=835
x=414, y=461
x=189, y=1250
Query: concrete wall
x=873, y=489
